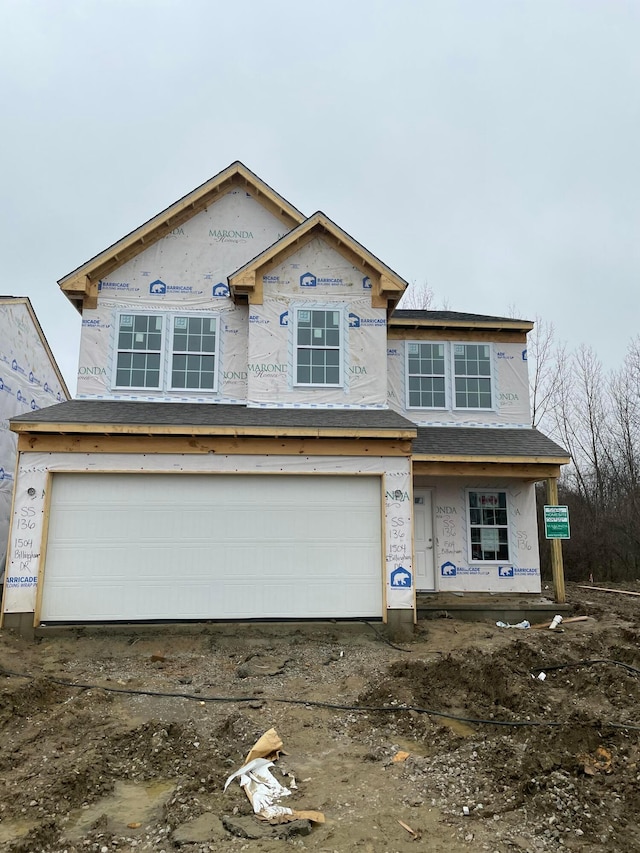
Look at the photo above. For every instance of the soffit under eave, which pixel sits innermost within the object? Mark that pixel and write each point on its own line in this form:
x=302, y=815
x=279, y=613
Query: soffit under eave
x=81, y=285
x=387, y=287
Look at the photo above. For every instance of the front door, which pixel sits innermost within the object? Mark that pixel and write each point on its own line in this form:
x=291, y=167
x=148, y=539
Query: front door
x=423, y=540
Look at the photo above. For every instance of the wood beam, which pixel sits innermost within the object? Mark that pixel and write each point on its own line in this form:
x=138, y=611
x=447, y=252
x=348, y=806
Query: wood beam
x=557, y=566
x=451, y=333
x=528, y=470
x=204, y=446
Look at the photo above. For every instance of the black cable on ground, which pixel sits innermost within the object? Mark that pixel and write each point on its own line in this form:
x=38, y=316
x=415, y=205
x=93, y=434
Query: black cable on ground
x=360, y=709
x=385, y=639
x=626, y=666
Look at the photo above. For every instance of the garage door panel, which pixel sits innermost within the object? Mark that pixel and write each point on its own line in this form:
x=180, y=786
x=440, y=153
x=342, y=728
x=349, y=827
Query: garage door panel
x=183, y=546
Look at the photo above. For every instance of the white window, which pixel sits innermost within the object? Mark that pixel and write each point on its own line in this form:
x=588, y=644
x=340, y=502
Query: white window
x=193, y=353
x=318, y=346
x=139, y=351
x=166, y=352
x=488, y=526
x=472, y=376
x=426, y=376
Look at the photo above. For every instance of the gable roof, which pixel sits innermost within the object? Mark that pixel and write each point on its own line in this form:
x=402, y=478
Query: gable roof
x=387, y=286
x=81, y=285
x=24, y=300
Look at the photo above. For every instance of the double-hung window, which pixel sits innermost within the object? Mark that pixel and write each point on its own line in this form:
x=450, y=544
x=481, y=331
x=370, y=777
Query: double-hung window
x=472, y=376
x=488, y=526
x=426, y=376
x=318, y=346
x=449, y=375
x=193, y=353
x=166, y=352
x=139, y=358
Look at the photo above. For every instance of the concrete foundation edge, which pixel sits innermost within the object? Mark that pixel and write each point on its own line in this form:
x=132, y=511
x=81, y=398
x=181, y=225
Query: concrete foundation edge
x=21, y=623
x=400, y=624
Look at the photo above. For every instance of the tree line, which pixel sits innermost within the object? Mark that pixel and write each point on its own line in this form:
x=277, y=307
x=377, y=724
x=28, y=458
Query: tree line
x=595, y=415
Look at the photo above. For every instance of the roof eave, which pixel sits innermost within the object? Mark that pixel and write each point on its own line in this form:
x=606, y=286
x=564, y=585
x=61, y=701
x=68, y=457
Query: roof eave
x=387, y=286
x=27, y=427
x=506, y=325
x=81, y=285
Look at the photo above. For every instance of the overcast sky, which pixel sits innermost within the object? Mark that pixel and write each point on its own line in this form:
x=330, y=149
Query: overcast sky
x=489, y=147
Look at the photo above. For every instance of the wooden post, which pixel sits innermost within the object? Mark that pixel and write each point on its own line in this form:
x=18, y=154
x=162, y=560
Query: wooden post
x=556, y=547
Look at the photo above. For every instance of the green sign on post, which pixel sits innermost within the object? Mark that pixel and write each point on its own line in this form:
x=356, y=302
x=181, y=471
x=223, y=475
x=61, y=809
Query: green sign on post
x=556, y=522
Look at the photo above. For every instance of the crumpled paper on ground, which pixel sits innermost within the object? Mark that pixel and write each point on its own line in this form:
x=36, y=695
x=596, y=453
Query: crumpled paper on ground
x=262, y=789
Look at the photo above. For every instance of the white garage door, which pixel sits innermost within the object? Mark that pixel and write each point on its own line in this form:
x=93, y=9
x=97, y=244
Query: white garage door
x=184, y=546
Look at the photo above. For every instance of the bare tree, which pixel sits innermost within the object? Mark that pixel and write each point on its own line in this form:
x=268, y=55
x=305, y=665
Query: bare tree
x=543, y=356
x=417, y=297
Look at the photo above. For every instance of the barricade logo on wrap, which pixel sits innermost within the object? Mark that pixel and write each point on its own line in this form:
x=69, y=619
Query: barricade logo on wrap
x=220, y=289
x=284, y=318
x=33, y=378
x=18, y=368
x=366, y=283
x=524, y=355
x=5, y=387
x=505, y=571
x=356, y=322
x=159, y=288
x=448, y=570
x=401, y=578
x=116, y=285
x=307, y=279
x=5, y=475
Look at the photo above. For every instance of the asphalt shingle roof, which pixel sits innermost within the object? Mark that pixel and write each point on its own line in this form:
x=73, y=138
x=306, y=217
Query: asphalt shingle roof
x=214, y=415
x=450, y=316
x=480, y=441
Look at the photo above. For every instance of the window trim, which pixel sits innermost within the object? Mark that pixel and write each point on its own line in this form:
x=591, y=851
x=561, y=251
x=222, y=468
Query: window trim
x=117, y=351
x=447, y=401
x=455, y=376
x=171, y=353
x=508, y=561
x=166, y=353
x=339, y=309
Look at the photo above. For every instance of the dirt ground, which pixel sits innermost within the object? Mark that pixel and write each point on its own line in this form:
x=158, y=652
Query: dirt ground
x=122, y=741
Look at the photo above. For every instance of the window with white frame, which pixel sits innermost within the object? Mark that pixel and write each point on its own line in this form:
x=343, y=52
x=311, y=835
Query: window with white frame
x=139, y=358
x=426, y=376
x=488, y=526
x=472, y=376
x=193, y=353
x=318, y=346
x=166, y=352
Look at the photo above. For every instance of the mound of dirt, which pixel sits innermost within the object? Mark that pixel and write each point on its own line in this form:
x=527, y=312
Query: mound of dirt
x=117, y=741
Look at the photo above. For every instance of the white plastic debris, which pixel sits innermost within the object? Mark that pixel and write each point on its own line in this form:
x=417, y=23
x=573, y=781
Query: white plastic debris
x=555, y=622
x=542, y=676
x=465, y=811
x=524, y=624
x=262, y=789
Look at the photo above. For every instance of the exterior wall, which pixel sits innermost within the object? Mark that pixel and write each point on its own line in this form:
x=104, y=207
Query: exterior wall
x=454, y=570
x=316, y=276
x=24, y=565
x=186, y=271
x=28, y=381
x=511, y=389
